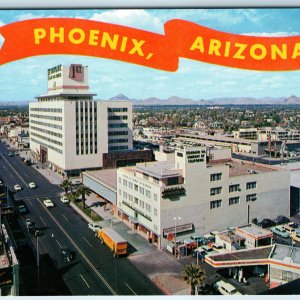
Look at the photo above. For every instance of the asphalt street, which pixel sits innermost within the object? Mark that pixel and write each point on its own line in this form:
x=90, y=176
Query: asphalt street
x=94, y=271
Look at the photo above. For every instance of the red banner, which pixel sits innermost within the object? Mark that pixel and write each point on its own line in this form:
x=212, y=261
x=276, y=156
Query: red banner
x=182, y=39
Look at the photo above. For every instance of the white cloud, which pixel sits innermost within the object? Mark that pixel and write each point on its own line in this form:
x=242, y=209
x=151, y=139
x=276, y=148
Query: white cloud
x=1, y=23
x=137, y=18
x=271, y=34
x=158, y=78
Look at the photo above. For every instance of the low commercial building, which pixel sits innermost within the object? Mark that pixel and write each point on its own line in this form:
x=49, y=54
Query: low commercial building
x=195, y=193
x=9, y=266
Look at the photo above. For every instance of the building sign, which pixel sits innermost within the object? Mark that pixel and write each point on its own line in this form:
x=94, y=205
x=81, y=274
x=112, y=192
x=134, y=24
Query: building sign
x=194, y=156
x=179, y=229
x=55, y=72
x=76, y=72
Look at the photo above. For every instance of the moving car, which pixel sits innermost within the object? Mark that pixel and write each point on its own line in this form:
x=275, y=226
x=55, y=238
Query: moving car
x=48, y=203
x=32, y=185
x=22, y=209
x=10, y=154
x=94, y=226
x=17, y=187
x=279, y=230
x=296, y=236
x=64, y=199
x=67, y=254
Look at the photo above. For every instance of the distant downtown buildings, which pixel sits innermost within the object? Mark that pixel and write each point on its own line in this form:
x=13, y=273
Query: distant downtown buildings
x=71, y=131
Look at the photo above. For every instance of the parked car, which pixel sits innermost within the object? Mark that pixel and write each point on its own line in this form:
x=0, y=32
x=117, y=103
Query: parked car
x=22, y=209
x=17, y=187
x=64, y=199
x=266, y=223
x=279, y=230
x=10, y=154
x=94, y=226
x=32, y=185
x=226, y=288
x=281, y=220
x=29, y=223
x=296, y=236
x=67, y=254
x=201, y=240
x=48, y=203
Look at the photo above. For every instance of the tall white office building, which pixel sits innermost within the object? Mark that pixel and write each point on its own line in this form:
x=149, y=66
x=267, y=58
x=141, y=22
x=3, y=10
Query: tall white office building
x=69, y=130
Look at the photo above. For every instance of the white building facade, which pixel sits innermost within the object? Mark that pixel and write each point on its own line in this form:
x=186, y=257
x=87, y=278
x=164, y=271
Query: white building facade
x=69, y=130
x=198, y=195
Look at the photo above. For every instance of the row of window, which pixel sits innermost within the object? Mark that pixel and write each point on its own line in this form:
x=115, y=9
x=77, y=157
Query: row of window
x=117, y=125
x=116, y=141
x=53, y=110
x=46, y=117
x=117, y=117
x=138, y=202
x=46, y=131
x=112, y=148
x=113, y=133
x=46, y=138
x=137, y=188
x=46, y=124
x=233, y=188
x=232, y=201
x=117, y=109
x=47, y=146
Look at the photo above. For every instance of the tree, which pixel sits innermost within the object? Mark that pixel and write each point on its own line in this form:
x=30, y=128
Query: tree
x=193, y=275
x=66, y=185
x=83, y=191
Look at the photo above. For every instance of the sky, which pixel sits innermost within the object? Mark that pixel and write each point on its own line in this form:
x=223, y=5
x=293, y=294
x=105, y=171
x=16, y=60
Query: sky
x=25, y=79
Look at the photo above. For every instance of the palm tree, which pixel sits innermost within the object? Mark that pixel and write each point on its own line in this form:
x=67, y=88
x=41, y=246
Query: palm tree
x=65, y=185
x=83, y=191
x=193, y=275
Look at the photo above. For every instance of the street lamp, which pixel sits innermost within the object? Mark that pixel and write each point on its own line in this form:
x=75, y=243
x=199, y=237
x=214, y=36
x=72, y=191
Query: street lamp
x=175, y=220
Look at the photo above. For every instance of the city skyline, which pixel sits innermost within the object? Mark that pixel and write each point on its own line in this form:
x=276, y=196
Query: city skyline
x=194, y=80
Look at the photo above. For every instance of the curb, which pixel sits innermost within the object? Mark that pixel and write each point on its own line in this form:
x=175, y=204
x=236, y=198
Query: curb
x=161, y=287
x=79, y=211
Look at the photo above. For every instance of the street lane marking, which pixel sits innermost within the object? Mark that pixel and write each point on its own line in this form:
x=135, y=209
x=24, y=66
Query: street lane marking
x=36, y=196
x=42, y=220
x=88, y=242
x=65, y=217
x=58, y=244
x=130, y=288
x=29, y=203
x=14, y=170
x=84, y=280
x=81, y=253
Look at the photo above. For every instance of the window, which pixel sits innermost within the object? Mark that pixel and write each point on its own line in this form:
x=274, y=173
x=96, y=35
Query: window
x=124, y=195
x=234, y=200
x=215, y=177
x=155, y=211
x=172, y=181
x=142, y=204
x=136, y=188
x=141, y=190
x=155, y=196
x=215, y=204
x=148, y=207
x=124, y=182
x=251, y=197
x=120, y=192
x=146, y=176
x=215, y=191
x=156, y=180
x=234, y=188
x=130, y=184
x=136, y=200
x=130, y=197
x=251, y=185
x=148, y=194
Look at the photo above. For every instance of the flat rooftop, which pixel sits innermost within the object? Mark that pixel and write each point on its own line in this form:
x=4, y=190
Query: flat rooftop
x=282, y=253
x=254, y=231
x=158, y=169
x=107, y=177
x=256, y=253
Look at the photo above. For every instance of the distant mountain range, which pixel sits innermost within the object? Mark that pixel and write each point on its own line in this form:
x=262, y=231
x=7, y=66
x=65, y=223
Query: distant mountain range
x=174, y=100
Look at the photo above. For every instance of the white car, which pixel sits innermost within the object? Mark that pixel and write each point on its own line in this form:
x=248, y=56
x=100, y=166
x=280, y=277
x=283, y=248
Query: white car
x=17, y=187
x=64, y=199
x=48, y=203
x=94, y=226
x=32, y=185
